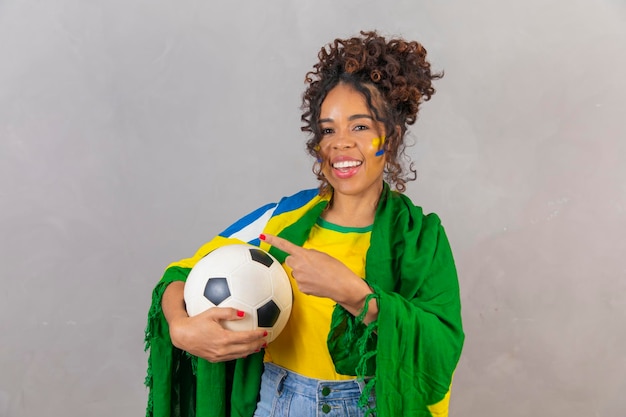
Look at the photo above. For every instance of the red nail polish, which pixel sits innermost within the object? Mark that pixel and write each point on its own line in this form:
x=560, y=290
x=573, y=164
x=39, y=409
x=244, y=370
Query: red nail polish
x=240, y=313
x=264, y=345
x=262, y=236
x=265, y=333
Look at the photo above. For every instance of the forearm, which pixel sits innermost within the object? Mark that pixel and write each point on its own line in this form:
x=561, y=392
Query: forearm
x=173, y=302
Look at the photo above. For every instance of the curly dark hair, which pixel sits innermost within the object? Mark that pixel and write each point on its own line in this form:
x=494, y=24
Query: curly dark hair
x=394, y=77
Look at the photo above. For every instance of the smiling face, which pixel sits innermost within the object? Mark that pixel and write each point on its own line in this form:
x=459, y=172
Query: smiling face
x=351, y=144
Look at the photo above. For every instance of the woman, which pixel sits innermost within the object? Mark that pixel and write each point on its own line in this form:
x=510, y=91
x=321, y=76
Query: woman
x=375, y=327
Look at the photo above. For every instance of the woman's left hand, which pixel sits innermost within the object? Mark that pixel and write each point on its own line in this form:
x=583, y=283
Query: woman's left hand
x=319, y=274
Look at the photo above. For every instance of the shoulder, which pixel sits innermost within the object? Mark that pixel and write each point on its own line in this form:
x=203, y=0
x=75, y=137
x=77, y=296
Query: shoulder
x=249, y=226
x=403, y=206
x=423, y=230
x=297, y=200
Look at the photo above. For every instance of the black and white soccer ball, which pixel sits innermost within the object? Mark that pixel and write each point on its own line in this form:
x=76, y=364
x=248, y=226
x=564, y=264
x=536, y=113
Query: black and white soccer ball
x=244, y=277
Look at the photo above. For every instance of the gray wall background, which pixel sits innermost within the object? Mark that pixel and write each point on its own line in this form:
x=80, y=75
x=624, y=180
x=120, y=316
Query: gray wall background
x=132, y=131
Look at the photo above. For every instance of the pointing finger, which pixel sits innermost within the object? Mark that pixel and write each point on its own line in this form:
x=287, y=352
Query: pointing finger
x=280, y=243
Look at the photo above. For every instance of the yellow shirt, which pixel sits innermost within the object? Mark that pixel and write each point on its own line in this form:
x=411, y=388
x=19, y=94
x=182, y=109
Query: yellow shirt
x=301, y=347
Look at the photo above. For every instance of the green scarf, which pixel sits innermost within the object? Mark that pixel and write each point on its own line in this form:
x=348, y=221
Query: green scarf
x=410, y=352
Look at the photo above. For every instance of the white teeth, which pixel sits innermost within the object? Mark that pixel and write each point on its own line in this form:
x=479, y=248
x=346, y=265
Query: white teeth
x=346, y=164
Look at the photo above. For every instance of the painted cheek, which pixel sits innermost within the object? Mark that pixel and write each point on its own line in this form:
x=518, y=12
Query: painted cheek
x=377, y=143
x=317, y=151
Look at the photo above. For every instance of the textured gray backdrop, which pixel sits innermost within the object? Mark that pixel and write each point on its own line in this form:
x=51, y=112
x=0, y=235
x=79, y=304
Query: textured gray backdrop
x=132, y=131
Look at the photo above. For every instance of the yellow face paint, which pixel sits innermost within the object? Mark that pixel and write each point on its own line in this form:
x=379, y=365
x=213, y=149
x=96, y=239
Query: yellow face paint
x=317, y=148
x=378, y=143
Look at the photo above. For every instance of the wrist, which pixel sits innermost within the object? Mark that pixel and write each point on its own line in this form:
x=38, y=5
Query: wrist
x=354, y=297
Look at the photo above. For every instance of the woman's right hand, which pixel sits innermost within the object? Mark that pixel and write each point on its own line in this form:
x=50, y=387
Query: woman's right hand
x=203, y=335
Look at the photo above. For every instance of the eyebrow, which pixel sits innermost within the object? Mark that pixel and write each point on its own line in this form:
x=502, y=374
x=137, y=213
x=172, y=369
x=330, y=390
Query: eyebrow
x=353, y=117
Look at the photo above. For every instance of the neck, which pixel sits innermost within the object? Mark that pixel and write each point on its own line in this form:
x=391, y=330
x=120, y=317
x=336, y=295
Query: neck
x=352, y=211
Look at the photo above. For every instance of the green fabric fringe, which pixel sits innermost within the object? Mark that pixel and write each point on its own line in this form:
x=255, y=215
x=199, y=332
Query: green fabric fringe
x=361, y=369
x=154, y=315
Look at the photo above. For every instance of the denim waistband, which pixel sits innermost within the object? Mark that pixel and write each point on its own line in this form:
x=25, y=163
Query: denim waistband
x=312, y=387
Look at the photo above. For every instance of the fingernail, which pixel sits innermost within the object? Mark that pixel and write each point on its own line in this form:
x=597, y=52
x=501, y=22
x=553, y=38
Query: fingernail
x=265, y=333
x=262, y=236
x=240, y=313
x=264, y=345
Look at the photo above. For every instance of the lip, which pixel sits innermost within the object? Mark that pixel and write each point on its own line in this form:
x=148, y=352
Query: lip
x=344, y=158
x=344, y=173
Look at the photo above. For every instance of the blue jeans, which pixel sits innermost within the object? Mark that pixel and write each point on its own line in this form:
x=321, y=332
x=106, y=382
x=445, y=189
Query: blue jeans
x=288, y=394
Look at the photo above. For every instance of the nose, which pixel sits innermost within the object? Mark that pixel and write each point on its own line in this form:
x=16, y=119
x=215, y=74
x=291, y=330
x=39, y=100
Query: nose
x=342, y=141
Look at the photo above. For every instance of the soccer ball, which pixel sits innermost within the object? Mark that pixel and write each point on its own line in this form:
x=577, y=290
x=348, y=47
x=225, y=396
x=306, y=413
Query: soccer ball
x=244, y=277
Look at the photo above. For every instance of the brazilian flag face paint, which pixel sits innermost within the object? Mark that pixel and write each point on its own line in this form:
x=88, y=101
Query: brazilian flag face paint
x=380, y=144
x=317, y=149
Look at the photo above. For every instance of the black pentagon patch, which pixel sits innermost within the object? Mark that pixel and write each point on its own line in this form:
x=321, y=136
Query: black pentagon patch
x=261, y=257
x=216, y=290
x=268, y=314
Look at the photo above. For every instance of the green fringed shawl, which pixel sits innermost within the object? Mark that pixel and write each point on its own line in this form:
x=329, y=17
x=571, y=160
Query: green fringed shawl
x=411, y=350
